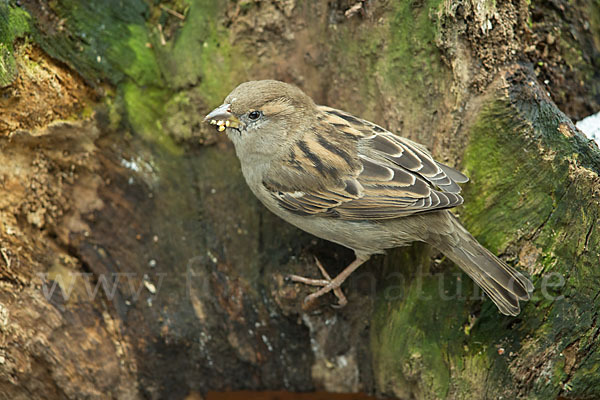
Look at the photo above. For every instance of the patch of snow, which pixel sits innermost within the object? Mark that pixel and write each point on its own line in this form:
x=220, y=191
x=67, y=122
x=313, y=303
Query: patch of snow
x=591, y=127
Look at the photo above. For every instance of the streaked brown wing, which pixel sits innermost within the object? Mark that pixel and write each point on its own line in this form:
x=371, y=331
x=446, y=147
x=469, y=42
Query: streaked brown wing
x=387, y=148
x=367, y=174
x=391, y=192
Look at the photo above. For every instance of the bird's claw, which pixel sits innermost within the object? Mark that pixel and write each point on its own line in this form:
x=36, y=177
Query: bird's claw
x=327, y=285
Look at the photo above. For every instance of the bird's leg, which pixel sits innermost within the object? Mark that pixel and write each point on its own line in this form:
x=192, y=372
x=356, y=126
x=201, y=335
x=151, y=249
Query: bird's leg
x=328, y=284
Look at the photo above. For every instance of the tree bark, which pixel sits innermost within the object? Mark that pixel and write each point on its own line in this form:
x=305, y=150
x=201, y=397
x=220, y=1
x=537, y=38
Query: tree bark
x=135, y=263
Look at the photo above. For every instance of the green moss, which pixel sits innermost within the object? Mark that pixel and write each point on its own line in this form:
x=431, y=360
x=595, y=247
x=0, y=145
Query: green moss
x=412, y=58
x=415, y=351
x=425, y=343
x=202, y=56
x=549, y=124
x=144, y=109
x=522, y=184
x=412, y=62
x=408, y=341
x=110, y=41
x=202, y=68
x=14, y=23
x=134, y=58
x=180, y=58
x=222, y=66
x=522, y=188
x=103, y=40
x=503, y=196
x=396, y=58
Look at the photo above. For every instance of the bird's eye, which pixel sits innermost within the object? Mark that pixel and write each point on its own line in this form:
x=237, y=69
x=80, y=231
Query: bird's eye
x=254, y=115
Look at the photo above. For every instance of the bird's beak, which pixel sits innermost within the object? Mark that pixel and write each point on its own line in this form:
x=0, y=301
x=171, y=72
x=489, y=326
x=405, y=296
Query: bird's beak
x=223, y=118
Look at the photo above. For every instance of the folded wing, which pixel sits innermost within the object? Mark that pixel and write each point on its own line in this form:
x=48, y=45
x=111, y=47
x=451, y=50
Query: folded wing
x=367, y=173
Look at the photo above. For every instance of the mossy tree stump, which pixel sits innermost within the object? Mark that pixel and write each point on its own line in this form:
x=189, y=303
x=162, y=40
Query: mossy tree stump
x=135, y=262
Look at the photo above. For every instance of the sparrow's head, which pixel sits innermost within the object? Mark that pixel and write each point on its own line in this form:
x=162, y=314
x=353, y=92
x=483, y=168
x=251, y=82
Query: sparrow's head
x=259, y=115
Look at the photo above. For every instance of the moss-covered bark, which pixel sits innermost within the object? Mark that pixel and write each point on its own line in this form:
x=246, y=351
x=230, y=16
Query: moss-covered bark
x=14, y=23
x=532, y=201
x=143, y=195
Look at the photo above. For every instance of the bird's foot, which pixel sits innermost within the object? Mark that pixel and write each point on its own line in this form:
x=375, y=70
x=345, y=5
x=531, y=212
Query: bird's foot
x=327, y=284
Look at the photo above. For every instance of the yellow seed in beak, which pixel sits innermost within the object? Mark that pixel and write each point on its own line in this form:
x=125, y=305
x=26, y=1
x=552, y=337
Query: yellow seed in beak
x=213, y=122
x=227, y=123
x=221, y=128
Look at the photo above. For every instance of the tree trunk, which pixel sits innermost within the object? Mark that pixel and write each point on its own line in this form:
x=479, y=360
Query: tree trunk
x=135, y=262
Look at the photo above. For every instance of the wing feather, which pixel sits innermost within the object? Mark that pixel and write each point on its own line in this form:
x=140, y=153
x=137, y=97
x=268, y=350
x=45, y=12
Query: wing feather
x=365, y=172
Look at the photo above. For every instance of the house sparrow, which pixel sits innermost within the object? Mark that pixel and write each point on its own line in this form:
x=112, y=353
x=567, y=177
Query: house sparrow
x=352, y=182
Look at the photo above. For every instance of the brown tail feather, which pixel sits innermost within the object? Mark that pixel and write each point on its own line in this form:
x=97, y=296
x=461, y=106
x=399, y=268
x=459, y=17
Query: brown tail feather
x=502, y=283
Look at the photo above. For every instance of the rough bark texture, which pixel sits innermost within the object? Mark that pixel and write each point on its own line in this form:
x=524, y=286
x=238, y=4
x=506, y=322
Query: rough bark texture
x=168, y=275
